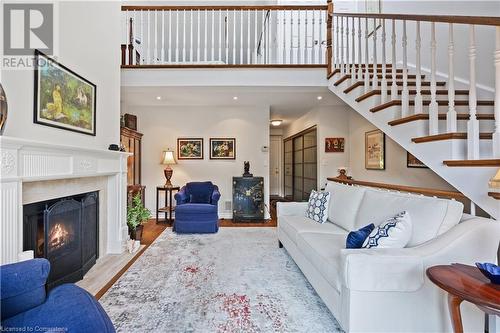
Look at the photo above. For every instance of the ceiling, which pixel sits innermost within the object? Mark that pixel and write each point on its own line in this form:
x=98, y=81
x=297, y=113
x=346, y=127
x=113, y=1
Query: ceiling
x=286, y=103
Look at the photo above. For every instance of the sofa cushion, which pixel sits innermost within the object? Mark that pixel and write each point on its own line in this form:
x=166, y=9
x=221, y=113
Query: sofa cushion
x=200, y=198
x=430, y=216
x=293, y=225
x=324, y=252
x=199, y=188
x=317, y=208
x=344, y=204
x=393, y=233
x=355, y=239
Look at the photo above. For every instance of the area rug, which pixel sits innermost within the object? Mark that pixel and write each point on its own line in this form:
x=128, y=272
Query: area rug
x=237, y=280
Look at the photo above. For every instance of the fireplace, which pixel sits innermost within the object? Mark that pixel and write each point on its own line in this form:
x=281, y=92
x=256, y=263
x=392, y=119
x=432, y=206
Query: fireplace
x=64, y=231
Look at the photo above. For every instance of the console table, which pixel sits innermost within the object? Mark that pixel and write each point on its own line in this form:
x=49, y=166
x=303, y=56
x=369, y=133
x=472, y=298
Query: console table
x=466, y=283
x=168, y=208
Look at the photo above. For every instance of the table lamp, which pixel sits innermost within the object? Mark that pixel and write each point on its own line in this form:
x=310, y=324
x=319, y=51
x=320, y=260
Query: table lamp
x=168, y=159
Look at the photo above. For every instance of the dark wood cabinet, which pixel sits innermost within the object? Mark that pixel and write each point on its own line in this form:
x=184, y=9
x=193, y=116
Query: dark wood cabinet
x=248, y=198
x=131, y=140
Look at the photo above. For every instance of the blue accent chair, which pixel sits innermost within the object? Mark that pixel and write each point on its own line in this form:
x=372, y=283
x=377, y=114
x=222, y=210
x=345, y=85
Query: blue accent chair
x=66, y=308
x=196, y=210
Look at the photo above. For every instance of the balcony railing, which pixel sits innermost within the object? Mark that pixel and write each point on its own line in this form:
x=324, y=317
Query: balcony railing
x=223, y=36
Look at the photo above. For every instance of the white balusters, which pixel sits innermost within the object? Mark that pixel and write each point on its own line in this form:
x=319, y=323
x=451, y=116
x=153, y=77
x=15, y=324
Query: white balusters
x=496, y=134
x=405, y=94
x=347, y=65
x=306, y=21
x=337, y=42
x=342, y=50
x=183, y=36
x=205, y=45
x=394, y=87
x=212, y=42
x=473, y=123
x=162, y=36
x=191, y=42
x=360, y=53
x=353, y=53
x=155, y=54
x=169, y=35
x=367, y=59
x=220, y=34
x=321, y=55
x=148, y=54
x=248, y=36
x=241, y=36
x=198, y=37
x=383, y=87
x=433, y=106
x=451, y=115
x=256, y=18
x=176, y=36
x=375, y=63
x=419, y=108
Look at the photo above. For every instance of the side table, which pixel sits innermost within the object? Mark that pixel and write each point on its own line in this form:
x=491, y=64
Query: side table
x=168, y=208
x=466, y=283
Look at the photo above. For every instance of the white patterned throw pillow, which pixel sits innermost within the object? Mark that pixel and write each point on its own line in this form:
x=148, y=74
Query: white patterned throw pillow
x=394, y=232
x=317, y=208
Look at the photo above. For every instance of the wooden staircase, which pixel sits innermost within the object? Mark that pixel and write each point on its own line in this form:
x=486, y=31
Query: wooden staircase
x=447, y=124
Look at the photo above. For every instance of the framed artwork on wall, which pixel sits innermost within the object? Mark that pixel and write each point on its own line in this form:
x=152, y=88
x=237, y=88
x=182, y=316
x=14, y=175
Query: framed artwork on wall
x=222, y=148
x=190, y=148
x=63, y=99
x=334, y=145
x=413, y=162
x=375, y=150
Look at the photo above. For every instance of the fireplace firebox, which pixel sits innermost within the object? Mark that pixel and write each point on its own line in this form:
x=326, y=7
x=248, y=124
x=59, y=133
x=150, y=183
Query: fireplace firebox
x=66, y=232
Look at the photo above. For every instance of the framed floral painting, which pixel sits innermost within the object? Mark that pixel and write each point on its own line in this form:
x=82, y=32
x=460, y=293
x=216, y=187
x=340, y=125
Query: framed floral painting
x=222, y=148
x=189, y=148
x=375, y=150
x=63, y=99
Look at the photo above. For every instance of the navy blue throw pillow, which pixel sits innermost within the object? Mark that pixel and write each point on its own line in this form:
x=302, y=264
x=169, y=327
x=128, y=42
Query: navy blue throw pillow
x=355, y=239
x=200, y=198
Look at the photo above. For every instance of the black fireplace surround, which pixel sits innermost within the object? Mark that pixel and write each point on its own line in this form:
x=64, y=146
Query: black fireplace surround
x=66, y=232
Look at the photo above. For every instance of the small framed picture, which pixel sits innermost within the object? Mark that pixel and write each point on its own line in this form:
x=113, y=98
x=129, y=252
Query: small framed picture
x=189, y=148
x=413, y=162
x=222, y=148
x=334, y=145
x=375, y=150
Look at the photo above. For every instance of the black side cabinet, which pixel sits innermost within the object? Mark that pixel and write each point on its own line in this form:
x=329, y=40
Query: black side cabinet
x=248, y=198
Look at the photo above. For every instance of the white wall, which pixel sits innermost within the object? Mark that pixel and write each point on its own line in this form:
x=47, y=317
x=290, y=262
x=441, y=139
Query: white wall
x=89, y=39
x=163, y=125
x=331, y=121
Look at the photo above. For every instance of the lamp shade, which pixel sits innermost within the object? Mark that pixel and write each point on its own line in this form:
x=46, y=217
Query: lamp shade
x=168, y=157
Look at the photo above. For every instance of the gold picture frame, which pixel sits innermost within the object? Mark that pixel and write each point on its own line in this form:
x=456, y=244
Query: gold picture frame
x=375, y=150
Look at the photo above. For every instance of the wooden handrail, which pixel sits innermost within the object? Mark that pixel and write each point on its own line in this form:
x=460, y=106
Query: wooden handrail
x=477, y=20
x=403, y=188
x=273, y=7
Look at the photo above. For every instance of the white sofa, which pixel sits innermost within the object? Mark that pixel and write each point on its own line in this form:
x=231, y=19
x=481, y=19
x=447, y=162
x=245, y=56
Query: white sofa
x=386, y=290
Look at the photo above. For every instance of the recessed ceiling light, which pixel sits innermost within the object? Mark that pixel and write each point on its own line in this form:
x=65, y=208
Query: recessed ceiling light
x=235, y=98
x=276, y=122
x=158, y=97
x=319, y=98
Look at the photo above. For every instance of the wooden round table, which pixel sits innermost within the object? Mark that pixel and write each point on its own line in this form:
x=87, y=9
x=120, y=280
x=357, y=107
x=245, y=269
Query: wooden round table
x=466, y=283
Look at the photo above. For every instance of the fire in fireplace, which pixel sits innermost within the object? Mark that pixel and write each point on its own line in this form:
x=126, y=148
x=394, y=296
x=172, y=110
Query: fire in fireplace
x=65, y=231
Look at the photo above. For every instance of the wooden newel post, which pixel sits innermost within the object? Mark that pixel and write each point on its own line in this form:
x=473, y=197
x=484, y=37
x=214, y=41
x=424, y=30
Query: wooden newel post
x=131, y=44
x=329, y=25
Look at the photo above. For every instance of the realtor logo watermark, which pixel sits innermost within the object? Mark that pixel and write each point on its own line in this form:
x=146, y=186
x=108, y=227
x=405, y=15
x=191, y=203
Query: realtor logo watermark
x=28, y=26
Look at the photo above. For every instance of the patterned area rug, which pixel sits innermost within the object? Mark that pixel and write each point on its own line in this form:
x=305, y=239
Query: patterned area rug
x=237, y=280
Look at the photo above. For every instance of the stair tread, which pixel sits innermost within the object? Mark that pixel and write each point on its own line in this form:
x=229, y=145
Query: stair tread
x=450, y=136
x=389, y=77
x=396, y=102
x=473, y=163
x=425, y=92
x=441, y=116
x=494, y=195
x=389, y=83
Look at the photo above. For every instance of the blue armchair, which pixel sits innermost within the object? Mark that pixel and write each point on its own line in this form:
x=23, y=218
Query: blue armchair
x=25, y=305
x=196, y=210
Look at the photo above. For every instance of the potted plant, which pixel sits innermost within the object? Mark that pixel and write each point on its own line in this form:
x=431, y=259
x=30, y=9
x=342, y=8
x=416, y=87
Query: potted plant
x=136, y=215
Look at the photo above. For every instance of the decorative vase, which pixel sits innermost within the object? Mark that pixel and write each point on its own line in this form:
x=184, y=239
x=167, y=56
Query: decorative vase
x=137, y=233
x=3, y=109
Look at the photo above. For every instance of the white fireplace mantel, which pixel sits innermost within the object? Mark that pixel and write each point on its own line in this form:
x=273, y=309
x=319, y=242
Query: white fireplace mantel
x=23, y=161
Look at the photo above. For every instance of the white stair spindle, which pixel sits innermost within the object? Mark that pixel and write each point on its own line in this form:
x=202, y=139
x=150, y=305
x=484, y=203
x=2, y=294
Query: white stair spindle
x=367, y=58
x=306, y=22
x=177, y=36
x=142, y=37
x=375, y=60
x=353, y=51
x=226, y=37
x=169, y=36
x=212, y=41
x=248, y=37
x=148, y=57
x=256, y=32
x=433, y=106
x=283, y=39
x=291, y=38
x=220, y=34
x=241, y=36
x=343, y=67
x=473, y=123
x=183, y=35
x=337, y=44
x=321, y=56
x=394, y=87
x=347, y=65
x=155, y=26
x=419, y=107
x=299, y=50
x=205, y=46
x=451, y=115
x=162, y=36
x=360, y=51
x=383, y=87
x=405, y=94
x=234, y=36
x=496, y=134
x=313, y=45
x=198, y=39
x=191, y=42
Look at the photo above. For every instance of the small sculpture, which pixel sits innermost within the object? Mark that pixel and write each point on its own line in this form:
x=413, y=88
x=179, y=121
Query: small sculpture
x=246, y=168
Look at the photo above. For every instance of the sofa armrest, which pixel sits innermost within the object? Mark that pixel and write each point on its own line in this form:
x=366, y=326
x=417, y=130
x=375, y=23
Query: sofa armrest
x=215, y=196
x=403, y=270
x=291, y=208
x=22, y=286
x=181, y=197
